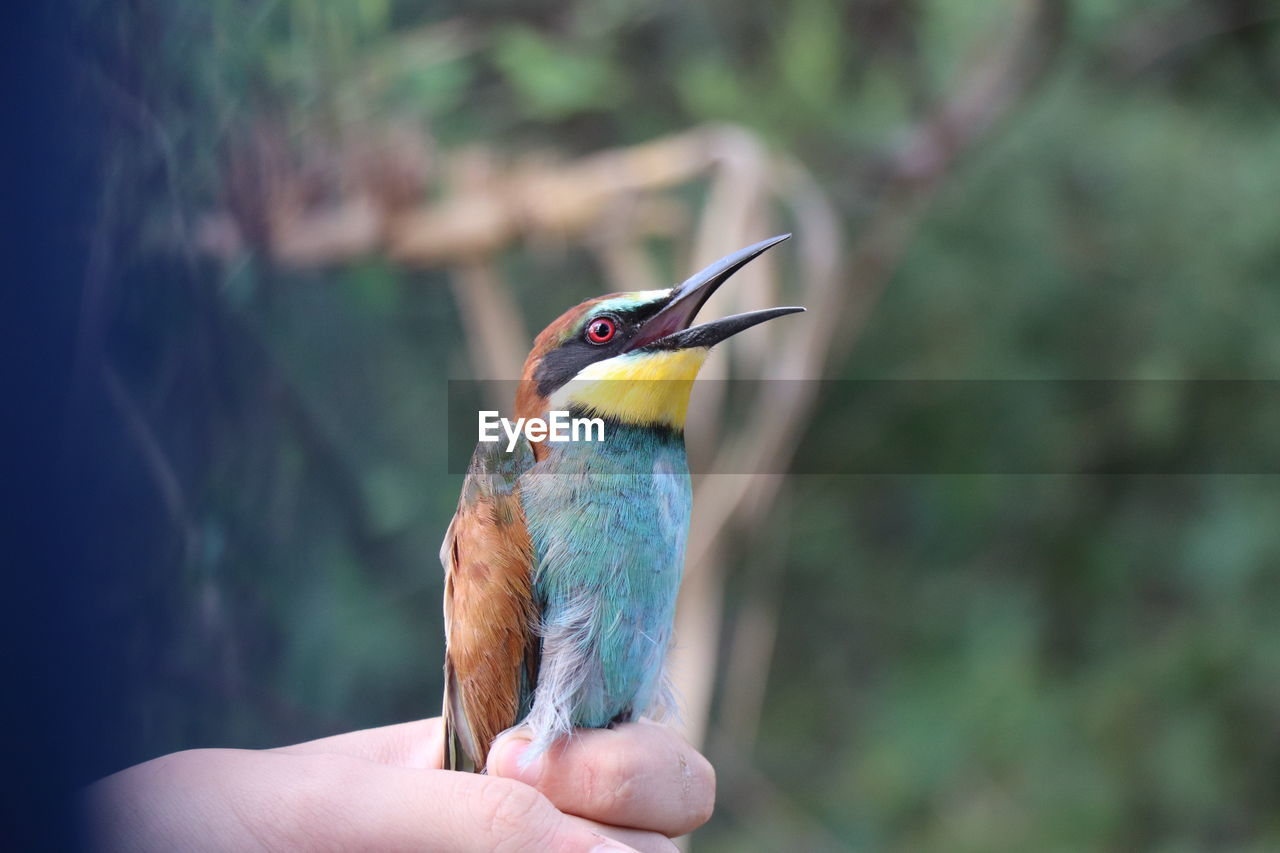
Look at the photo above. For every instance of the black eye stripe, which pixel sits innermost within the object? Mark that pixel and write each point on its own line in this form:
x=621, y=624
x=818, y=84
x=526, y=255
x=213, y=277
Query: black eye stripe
x=563, y=363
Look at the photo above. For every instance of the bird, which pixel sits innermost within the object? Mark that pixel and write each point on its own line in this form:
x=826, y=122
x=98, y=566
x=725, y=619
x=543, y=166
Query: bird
x=563, y=560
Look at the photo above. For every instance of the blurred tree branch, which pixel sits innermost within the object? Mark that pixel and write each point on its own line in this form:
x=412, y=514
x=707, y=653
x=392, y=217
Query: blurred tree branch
x=995, y=85
x=1153, y=36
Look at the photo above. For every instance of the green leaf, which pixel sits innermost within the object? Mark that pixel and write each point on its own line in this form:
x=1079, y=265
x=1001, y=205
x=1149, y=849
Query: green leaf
x=554, y=79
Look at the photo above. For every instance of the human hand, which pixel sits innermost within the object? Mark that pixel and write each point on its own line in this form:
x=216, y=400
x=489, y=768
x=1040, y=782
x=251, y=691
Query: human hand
x=627, y=788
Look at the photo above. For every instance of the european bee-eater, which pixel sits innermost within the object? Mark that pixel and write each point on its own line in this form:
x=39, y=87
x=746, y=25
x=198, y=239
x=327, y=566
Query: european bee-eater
x=563, y=560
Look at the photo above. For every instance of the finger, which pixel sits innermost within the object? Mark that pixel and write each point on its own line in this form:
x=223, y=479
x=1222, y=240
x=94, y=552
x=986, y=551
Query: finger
x=645, y=842
x=382, y=807
x=418, y=744
x=242, y=799
x=640, y=775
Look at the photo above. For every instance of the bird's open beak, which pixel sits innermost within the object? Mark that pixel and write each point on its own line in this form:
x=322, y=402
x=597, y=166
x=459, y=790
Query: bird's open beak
x=671, y=327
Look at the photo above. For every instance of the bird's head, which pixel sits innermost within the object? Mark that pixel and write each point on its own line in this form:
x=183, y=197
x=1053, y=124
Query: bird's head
x=633, y=357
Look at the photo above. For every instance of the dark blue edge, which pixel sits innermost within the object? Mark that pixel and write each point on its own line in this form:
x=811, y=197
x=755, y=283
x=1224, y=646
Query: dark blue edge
x=59, y=705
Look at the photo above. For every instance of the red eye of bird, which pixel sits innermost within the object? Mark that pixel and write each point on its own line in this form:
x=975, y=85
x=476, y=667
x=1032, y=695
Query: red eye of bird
x=601, y=330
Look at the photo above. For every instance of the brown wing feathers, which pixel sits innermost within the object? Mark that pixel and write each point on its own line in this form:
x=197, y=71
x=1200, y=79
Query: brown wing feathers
x=489, y=614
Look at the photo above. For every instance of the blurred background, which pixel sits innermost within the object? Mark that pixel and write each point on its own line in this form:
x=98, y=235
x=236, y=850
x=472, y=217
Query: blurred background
x=308, y=216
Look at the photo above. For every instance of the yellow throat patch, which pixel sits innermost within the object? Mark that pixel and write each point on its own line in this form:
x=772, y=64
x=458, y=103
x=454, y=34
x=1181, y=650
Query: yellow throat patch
x=642, y=388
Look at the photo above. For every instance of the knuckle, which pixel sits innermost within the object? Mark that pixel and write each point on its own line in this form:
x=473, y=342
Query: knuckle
x=611, y=783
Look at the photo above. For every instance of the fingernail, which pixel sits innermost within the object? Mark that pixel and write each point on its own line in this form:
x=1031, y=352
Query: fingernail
x=506, y=759
x=609, y=847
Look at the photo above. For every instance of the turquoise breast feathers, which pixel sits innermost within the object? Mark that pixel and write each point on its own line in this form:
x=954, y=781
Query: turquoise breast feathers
x=608, y=521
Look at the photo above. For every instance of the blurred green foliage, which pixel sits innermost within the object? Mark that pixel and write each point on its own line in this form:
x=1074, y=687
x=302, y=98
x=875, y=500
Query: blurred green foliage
x=963, y=663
